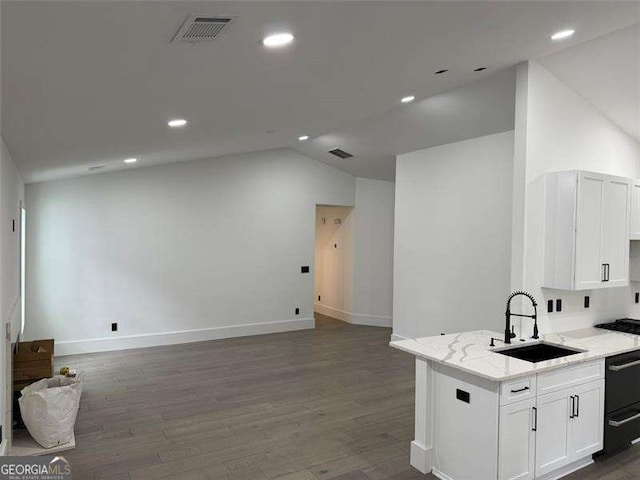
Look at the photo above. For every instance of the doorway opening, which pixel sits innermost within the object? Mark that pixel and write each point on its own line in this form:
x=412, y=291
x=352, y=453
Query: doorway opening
x=333, y=273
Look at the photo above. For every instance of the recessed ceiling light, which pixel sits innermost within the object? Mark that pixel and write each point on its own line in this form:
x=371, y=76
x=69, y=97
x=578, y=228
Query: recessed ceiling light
x=177, y=122
x=441, y=71
x=131, y=160
x=303, y=138
x=562, y=34
x=407, y=99
x=277, y=39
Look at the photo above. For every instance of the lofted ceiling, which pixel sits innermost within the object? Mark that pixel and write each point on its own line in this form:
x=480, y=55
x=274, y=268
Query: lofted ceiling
x=480, y=108
x=606, y=72
x=94, y=82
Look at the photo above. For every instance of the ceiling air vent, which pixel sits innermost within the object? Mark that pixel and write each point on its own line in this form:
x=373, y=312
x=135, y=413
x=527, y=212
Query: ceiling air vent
x=340, y=153
x=96, y=167
x=201, y=28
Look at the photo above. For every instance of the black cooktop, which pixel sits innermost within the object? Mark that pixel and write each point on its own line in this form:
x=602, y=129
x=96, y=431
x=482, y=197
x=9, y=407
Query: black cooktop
x=626, y=325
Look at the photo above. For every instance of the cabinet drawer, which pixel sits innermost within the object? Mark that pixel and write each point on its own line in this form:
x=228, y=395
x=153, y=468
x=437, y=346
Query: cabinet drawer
x=518, y=389
x=623, y=381
x=621, y=428
x=569, y=376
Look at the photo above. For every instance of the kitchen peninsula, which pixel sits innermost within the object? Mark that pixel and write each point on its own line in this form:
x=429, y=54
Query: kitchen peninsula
x=481, y=414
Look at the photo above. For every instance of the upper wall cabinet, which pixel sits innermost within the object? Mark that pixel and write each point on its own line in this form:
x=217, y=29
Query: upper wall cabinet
x=634, y=232
x=586, y=230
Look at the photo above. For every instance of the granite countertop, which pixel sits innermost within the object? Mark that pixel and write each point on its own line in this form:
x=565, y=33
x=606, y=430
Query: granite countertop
x=470, y=351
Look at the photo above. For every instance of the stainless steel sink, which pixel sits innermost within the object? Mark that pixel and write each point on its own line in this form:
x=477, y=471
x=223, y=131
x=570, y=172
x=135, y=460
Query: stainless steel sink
x=538, y=352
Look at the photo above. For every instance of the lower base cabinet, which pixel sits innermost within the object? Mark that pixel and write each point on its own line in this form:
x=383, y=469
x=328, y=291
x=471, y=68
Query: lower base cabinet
x=517, y=438
x=553, y=434
x=545, y=433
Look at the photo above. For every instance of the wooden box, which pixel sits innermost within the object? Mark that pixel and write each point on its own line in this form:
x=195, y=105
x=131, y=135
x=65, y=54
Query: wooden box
x=33, y=361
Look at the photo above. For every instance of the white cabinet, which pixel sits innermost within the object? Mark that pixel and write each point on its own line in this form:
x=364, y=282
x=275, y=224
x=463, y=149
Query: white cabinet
x=634, y=231
x=587, y=219
x=615, y=231
x=587, y=424
x=517, y=441
x=552, y=431
x=548, y=431
x=569, y=426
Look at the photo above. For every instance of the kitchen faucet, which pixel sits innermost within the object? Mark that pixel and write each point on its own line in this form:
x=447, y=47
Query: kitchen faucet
x=508, y=333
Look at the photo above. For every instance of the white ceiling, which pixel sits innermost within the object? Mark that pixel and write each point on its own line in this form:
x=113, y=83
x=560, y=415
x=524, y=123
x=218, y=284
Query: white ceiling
x=606, y=72
x=86, y=83
x=480, y=108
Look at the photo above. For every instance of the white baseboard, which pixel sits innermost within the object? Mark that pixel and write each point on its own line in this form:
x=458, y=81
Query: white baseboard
x=442, y=476
x=555, y=475
x=567, y=469
x=396, y=338
x=421, y=458
x=76, y=347
x=355, y=318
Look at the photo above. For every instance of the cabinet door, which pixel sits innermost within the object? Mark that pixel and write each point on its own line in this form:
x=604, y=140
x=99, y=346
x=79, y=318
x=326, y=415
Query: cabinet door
x=634, y=231
x=589, y=269
x=587, y=427
x=553, y=431
x=516, y=456
x=615, y=233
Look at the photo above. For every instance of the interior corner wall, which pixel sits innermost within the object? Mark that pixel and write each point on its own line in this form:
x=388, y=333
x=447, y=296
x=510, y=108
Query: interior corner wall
x=11, y=195
x=176, y=253
x=557, y=129
x=354, y=259
x=453, y=237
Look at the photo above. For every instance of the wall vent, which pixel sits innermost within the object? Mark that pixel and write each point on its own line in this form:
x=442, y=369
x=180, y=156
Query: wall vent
x=340, y=153
x=202, y=28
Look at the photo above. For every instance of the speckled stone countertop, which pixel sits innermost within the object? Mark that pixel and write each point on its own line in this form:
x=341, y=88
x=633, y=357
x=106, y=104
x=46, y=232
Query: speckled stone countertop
x=471, y=352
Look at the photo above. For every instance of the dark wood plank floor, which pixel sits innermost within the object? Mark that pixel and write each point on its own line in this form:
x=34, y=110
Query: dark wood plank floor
x=624, y=465
x=331, y=403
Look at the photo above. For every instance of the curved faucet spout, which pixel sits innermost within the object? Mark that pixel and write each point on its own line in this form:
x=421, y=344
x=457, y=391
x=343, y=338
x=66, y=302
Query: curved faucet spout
x=508, y=331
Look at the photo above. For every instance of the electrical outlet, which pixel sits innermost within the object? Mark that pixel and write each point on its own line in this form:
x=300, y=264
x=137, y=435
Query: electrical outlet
x=304, y=269
x=586, y=301
x=319, y=298
x=559, y=305
x=297, y=311
x=549, y=306
x=114, y=327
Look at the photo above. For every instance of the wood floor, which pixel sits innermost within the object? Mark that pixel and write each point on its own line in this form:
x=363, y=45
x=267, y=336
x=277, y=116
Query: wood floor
x=331, y=403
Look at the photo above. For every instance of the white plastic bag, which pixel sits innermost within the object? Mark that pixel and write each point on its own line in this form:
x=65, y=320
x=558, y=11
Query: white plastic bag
x=49, y=408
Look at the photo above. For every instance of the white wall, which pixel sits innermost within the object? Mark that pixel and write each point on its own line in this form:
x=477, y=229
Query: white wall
x=453, y=237
x=182, y=252
x=558, y=130
x=11, y=194
x=373, y=252
x=355, y=280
